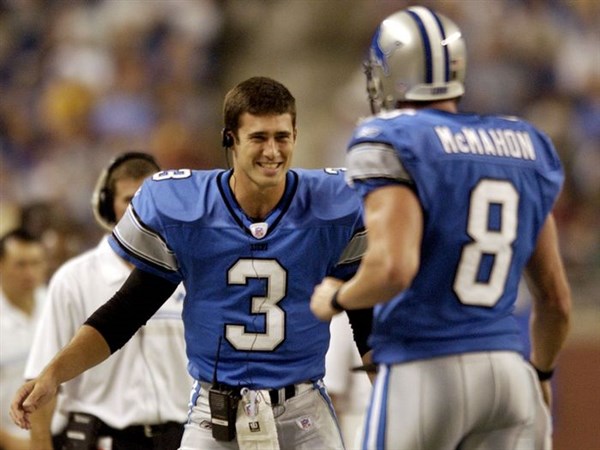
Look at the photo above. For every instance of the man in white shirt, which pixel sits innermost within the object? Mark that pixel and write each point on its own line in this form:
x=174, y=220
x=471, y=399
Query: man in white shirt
x=23, y=266
x=138, y=399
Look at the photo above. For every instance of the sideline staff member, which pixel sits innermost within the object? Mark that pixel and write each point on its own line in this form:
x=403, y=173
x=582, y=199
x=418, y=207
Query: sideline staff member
x=137, y=399
x=23, y=271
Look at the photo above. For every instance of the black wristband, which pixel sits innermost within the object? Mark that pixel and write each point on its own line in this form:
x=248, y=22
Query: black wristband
x=543, y=376
x=334, y=302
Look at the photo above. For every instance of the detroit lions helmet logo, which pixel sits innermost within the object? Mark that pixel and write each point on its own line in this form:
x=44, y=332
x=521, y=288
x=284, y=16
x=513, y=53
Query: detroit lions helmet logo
x=379, y=55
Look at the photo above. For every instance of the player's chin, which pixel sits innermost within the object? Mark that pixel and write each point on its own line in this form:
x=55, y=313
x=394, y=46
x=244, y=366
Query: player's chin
x=271, y=177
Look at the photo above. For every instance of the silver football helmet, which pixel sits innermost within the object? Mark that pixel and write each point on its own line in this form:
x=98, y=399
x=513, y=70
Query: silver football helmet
x=415, y=55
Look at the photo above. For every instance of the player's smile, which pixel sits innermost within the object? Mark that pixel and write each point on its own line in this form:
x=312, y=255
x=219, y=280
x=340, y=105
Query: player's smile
x=269, y=165
x=270, y=168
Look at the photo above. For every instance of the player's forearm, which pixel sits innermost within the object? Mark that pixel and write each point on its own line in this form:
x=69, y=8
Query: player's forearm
x=87, y=349
x=549, y=331
x=354, y=295
x=551, y=310
x=378, y=280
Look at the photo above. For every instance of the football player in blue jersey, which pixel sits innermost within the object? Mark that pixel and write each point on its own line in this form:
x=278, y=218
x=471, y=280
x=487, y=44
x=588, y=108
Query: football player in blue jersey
x=249, y=244
x=458, y=207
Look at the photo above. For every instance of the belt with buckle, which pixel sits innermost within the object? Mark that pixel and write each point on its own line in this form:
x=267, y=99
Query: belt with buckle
x=138, y=431
x=279, y=396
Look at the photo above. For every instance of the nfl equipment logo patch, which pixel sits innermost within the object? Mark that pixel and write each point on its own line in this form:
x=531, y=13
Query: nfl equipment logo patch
x=259, y=229
x=254, y=427
x=304, y=423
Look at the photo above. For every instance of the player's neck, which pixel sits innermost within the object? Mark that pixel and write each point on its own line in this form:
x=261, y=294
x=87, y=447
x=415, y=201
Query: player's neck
x=256, y=201
x=449, y=105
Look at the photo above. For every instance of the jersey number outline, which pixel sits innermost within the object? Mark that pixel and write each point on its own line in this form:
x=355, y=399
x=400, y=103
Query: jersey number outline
x=276, y=277
x=172, y=174
x=486, y=241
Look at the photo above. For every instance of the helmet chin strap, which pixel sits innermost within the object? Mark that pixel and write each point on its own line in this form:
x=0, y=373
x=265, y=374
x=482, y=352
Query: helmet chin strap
x=374, y=101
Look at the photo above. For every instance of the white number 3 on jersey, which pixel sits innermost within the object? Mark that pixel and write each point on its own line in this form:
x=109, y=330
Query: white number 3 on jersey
x=276, y=278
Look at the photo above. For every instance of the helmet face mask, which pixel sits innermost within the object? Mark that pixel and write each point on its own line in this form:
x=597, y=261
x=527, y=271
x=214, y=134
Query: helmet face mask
x=415, y=55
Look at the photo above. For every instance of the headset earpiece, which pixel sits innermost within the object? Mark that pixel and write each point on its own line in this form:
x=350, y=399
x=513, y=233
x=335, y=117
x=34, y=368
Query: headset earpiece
x=105, y=203
x=226, y=138
x=102, y=198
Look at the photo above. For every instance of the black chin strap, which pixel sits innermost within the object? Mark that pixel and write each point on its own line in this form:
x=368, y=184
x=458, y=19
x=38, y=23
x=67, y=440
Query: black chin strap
x=371, y=88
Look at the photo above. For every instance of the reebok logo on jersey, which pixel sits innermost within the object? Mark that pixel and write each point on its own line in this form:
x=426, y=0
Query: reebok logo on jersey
x=367, y=132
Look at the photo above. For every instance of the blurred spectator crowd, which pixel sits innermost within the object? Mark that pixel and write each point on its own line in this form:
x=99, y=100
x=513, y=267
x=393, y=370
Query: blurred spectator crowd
x=83, y=81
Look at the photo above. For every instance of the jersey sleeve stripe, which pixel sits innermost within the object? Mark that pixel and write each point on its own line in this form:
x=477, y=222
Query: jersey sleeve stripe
x=145, y=244
x=372, y=160
x=355, y=248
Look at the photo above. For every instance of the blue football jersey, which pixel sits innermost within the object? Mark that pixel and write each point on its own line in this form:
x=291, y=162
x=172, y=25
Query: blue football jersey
x=486, y=185
x=248, y=285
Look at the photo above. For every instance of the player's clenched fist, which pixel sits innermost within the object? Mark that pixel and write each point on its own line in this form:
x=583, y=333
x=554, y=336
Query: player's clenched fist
x=30, y=397
x=320, y=302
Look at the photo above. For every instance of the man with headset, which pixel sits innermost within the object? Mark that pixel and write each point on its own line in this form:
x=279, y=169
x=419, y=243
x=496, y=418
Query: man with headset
x=136, y=400
x=249, y=243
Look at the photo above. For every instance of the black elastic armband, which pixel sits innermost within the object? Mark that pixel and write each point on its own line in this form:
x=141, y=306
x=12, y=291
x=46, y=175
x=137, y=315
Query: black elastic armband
x=361, y=322
x=133, y=304
x=334, y=302
x=542, y=375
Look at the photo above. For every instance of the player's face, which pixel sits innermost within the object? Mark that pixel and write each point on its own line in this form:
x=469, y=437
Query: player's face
x=125, y=189
x=263, y=151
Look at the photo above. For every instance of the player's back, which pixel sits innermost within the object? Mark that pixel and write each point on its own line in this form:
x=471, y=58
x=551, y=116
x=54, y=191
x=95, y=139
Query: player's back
x=486, y=185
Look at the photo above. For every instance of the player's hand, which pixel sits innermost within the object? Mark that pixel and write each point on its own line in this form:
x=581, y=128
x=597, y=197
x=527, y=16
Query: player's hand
x=547, y=392
x=320, y=302
x=30, y=397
